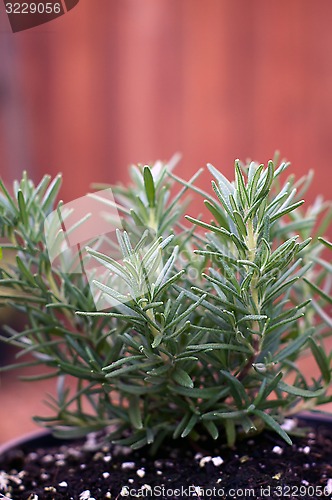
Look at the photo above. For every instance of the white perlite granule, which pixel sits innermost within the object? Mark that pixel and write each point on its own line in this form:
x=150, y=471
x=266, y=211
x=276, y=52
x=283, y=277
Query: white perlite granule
x=60, y=463
x=204, y=461
x=288, y=425
x=47, y=459
x=128, y=465
x=85, y=495
x=3, y=480
x=329, y=486
x=217, y=461
x=141, y=472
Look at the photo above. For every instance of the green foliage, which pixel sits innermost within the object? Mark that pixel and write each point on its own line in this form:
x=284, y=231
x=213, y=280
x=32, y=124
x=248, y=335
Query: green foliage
x=207, y=326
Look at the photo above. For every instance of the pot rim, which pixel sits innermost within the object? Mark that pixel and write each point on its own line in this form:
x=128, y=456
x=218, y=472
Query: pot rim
x=23, y=439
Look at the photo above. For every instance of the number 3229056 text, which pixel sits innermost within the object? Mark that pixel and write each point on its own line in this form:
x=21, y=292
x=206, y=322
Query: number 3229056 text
x=33, y=8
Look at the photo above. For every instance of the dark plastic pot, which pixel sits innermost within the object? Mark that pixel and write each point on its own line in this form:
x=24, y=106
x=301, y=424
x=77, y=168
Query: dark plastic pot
x=44, y=438
x=30, y=441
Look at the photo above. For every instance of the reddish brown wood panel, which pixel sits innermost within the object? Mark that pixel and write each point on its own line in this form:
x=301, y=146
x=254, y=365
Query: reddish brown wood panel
x=112, y=83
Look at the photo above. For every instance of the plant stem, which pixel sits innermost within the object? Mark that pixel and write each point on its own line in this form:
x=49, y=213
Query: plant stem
x=252, y=246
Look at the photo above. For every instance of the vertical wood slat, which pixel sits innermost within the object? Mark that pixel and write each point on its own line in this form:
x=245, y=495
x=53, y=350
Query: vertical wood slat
x=150, y=79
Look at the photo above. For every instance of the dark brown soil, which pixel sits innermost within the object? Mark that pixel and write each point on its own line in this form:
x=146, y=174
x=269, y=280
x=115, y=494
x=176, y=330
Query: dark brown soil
x=263, y=467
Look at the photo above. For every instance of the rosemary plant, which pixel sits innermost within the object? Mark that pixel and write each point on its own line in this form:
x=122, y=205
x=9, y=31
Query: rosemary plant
x=202, y=326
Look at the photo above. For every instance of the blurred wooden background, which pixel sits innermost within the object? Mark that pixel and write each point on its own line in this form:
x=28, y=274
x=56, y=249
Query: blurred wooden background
x=111, y=83
x=116, y=82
